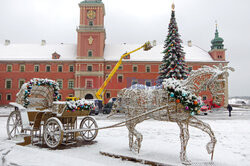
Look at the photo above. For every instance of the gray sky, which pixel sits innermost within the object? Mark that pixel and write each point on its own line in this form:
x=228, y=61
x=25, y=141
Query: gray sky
x=136, y=21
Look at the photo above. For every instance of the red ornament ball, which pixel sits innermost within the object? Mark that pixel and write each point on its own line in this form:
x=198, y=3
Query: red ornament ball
x=195, y=102
x=178, y=101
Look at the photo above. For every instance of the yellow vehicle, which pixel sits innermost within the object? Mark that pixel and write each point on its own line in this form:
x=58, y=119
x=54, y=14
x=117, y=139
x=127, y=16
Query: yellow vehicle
x=72, y=98
x=147, y=46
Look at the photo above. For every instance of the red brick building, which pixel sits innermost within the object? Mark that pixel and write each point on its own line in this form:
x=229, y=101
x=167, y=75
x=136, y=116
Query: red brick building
x=81, y=68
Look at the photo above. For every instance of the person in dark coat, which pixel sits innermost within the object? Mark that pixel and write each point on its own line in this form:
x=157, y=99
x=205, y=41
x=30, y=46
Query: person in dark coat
x=229, y=108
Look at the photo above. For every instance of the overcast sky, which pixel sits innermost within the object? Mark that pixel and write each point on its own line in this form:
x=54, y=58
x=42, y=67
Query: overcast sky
x=136, y=21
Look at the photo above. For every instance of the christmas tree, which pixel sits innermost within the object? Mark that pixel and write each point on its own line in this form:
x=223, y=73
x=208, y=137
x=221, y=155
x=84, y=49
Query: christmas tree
x=173, y=63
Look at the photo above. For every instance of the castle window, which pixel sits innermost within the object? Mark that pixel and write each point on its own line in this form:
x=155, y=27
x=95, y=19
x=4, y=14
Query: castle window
x=8, y=84
x=148, y=69
x=90, y=53
x=108, y=95
x=9, y=68
x=120, y=67
x=48, y=68
x=60, y=68
x=71, y=68
x=21, y=82
x=119, y=78
x=89, y=84
x=22, y=68
x=89, y=68
x=135, y=68
x=36, y=68
x=60, y=83
x=91, y=23
x=71, y=84
x=8, y=97
x=108, y=67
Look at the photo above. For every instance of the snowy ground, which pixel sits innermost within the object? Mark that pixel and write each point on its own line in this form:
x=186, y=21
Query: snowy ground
x=160, y=143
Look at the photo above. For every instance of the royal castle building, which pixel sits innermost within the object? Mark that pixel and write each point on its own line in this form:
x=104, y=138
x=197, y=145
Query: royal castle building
x=80, y=69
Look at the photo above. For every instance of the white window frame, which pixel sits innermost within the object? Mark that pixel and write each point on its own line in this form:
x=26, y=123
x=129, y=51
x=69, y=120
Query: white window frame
x=136, y=68
x=86, y=83
x=108, y=66
x=70, y=67
x=19, y=85
x=8, y=95
x=10, y=83
x=120, y=67
x=69, y=87
x=106, y=95
x=58, y=68
x=119, y=75
x=88, y=68
x=90, y=51
x=23, y=68
x=35, y=68
x=147, y=68
x=49, y=68
x=59, y=84
x=7, y=68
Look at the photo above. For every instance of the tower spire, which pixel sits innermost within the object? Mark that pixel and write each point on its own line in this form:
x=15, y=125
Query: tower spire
x=217, y=42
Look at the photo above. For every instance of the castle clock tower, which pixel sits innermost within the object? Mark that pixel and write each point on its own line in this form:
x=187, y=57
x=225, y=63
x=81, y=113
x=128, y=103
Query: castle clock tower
x=89, y=74
x=91, y=32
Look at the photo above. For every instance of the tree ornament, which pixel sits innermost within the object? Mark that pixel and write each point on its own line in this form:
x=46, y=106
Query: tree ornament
x=171, y=94
x=178, y=101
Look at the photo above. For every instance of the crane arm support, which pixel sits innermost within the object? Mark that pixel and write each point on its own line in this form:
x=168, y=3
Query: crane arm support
x=147, y=46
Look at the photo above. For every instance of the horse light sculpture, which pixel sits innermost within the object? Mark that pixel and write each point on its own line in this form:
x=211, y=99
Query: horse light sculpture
x=138, y=100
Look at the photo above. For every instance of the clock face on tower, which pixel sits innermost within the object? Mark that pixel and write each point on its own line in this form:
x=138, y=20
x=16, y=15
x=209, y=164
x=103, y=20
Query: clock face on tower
x=91, y=14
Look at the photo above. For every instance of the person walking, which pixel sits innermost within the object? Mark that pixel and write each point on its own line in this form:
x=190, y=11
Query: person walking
x=229, y=108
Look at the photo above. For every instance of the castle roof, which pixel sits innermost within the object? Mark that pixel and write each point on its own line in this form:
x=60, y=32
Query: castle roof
x=112, y=52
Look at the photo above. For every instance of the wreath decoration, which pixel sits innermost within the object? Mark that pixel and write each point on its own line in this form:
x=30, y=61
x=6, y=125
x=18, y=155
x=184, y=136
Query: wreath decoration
x=79, y=105
x=182, y=95
x=39, y=82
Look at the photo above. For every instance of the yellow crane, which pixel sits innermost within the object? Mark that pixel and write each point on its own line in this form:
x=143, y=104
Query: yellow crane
x=147, y=46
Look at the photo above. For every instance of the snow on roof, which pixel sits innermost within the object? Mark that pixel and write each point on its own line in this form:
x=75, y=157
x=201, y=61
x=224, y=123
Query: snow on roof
x=114, y=52
x=37, y=51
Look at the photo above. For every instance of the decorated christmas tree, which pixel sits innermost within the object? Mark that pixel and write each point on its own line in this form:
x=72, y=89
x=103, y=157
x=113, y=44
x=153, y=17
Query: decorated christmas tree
x=173, y=63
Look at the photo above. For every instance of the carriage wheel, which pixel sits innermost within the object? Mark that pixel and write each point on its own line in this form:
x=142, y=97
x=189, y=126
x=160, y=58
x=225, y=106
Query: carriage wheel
x=14, y=124
x=88, y=123
x=53, y=132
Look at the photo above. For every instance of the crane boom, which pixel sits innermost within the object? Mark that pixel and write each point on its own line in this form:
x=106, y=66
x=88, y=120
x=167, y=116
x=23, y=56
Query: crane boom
x=147, y=46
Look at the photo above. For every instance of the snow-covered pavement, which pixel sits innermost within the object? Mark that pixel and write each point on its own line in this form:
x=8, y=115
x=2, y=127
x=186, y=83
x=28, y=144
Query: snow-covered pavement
x=161, y=143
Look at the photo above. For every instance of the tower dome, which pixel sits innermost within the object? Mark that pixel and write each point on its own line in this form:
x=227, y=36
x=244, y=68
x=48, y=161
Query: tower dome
x=217, y=42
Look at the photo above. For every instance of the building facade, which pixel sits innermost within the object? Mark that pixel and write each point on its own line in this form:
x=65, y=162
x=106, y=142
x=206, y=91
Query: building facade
x=80, y=69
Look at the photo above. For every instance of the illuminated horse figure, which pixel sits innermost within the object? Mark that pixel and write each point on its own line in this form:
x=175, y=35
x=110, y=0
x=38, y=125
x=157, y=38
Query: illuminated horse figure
x=141, y=103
